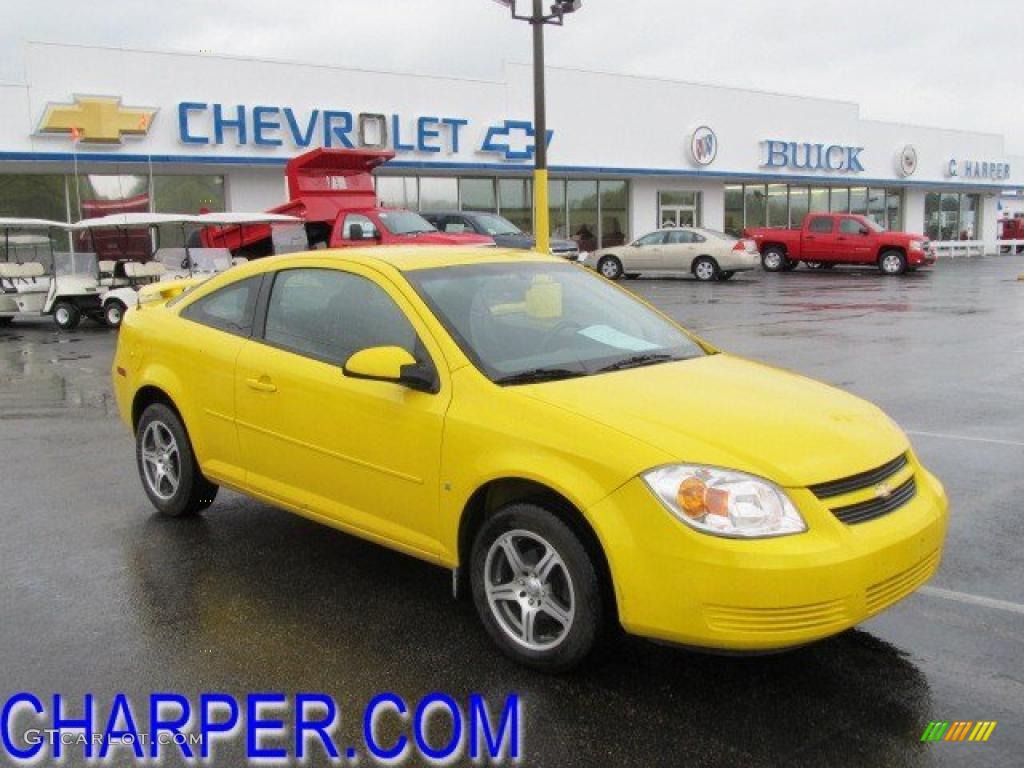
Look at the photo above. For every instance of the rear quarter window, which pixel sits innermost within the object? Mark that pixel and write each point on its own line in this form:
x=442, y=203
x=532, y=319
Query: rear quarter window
x=231, y=308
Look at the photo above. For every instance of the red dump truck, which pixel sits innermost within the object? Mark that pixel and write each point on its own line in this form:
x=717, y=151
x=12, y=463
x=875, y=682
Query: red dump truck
x=332, y=191
x=827, y=239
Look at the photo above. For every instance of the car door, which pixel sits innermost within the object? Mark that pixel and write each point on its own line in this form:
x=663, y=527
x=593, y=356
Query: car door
x=217, y=326
x=852, y=241
x=644, y=253
x=679, y=250
x=360, y=454
x=819, y=239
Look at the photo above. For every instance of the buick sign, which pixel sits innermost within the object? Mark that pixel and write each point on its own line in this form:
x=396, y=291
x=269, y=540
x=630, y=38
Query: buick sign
x=704, y=146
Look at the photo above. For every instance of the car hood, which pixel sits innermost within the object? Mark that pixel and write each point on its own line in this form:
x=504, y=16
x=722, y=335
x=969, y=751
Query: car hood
x=726, y=411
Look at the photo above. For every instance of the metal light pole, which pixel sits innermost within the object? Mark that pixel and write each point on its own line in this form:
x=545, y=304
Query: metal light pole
x=538, y=18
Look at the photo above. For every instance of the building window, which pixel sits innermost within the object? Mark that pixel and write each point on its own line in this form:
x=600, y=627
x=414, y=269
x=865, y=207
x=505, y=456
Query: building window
x=557, y=214
x=188, y=194
x=614, y=212
x=515, y=202
x=439, y=193
x=583, y=212
x=478, y=195
x=780, y=205
x=398, y=192
x=951, y=216
x=679, y=208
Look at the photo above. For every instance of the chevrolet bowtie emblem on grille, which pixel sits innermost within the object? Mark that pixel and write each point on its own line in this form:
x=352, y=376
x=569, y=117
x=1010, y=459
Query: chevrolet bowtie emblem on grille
x=883, y=491
x=96, y=119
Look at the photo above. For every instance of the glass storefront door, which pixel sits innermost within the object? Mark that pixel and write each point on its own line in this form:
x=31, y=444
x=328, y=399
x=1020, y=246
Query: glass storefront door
x=679, y=209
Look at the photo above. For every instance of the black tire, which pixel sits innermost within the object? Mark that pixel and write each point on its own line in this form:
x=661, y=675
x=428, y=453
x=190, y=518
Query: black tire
x=610, y=267
x=828, y=265
x=773, y=258
x=192, y=492
x=113, y=313
x=814, y=264
x=631, y=275
x=533, y=524
x=789, y=266
x=892, y=263
x=723, y=276
x=66, y=315
x=706, y=269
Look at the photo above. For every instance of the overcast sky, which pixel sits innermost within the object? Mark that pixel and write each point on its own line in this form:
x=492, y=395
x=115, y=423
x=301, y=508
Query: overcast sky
x=932, y=62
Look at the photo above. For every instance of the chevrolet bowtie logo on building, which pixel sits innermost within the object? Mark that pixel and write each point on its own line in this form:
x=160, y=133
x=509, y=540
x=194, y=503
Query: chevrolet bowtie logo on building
x=96, y=120
x=514, y=139
x=959, y=730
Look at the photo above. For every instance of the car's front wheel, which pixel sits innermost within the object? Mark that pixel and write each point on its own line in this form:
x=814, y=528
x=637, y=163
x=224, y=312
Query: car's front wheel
x=892, y=263
x=610, y=267
x=167, y=465
x=535, y=588
x=66, y=315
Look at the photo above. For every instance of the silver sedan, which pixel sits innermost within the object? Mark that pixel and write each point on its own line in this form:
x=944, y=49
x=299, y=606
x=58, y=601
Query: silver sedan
x=704, y=253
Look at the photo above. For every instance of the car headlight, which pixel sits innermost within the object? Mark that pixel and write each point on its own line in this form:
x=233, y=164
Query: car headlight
x=724, y=502
x=916, y=245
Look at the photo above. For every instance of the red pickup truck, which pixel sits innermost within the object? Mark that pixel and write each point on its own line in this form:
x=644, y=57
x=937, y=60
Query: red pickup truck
x=332, y=190
x=827, y=239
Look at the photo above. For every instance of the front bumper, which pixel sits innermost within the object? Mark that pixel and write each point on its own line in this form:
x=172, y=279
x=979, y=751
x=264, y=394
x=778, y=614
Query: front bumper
x=675, y=584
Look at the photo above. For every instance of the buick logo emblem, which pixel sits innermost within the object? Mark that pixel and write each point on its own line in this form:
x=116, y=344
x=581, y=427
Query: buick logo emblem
x=908, y=161
x=704, y=146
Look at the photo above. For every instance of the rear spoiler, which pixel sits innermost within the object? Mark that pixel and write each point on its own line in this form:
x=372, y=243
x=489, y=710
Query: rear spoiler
x=165, y=291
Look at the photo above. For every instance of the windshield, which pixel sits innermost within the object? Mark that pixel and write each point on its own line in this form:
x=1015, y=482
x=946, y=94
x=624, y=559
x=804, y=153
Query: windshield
x=539, y=321
x=406, y=223
x=496, y=225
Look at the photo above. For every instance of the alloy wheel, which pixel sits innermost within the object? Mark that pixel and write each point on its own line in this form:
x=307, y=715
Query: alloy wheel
x=529, y=590
x=161, y=460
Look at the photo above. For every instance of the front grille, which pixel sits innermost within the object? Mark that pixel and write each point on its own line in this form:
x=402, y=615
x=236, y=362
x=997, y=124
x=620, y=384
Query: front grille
x=885, y=593
x=873, y=508
x=859, y=481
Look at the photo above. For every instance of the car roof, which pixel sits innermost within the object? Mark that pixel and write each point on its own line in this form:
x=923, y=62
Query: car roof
x=408, y=258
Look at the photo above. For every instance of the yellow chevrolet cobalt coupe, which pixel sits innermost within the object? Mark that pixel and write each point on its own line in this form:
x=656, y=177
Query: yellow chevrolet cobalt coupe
x=576, y=458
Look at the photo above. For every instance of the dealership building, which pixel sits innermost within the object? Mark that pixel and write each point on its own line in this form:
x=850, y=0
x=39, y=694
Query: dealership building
x=95, y=130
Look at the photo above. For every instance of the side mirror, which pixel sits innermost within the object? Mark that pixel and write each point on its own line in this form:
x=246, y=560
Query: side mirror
x=391, y=364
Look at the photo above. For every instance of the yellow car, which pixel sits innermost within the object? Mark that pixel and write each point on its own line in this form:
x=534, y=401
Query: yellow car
x=572, y=455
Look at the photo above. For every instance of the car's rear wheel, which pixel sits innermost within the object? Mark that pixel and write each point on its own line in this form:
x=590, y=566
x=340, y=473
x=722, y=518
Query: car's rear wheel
x=167, y=465
x=706, y=269
x=535, y=588
x=66, y=315
x=815, y=264
x=113, y=313
x=610, y=267
x=892, y=263
x=727, y=275
x=773, y=259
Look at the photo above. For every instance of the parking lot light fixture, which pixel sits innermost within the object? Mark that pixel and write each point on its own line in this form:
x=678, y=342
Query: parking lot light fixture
x=539, y=18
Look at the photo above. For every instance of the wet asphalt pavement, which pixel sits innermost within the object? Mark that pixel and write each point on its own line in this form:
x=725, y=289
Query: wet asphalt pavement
x=99, y=595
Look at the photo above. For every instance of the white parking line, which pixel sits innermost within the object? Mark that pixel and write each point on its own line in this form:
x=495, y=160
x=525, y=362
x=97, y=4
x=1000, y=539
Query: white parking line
x=963, y=597
x=944, y=436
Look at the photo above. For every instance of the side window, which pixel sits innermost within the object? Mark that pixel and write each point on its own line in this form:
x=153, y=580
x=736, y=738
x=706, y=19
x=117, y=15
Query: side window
x=679, y=237
x=850, y=227
x=655, y=238
x=329, y=315
x=230, y=308
x=821, y=225
x=369, y=230
x=455, y=224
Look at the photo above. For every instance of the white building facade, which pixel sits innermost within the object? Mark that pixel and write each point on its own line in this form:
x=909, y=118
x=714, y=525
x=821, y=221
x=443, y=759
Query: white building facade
x=96, y=130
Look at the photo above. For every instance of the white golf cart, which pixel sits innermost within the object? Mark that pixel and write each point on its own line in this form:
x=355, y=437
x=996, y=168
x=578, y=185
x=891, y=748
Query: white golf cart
x=177, y=263
x=35, y=279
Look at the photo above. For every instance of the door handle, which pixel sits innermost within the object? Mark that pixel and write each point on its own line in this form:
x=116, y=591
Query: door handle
x=262, y=384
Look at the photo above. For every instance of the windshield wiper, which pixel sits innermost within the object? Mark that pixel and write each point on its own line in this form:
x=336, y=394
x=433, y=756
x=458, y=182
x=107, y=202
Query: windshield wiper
x=638, y=361
x=539, y=374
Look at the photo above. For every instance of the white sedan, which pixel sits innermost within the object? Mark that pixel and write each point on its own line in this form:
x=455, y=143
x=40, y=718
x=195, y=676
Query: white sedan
x=704, y=253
